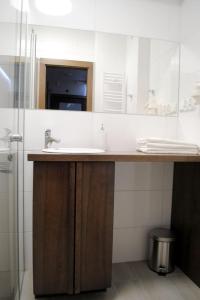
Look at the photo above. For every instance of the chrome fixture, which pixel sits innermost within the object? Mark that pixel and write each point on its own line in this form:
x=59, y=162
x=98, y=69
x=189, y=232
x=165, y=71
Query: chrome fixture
x=49, y=139
x=15, y=138
x=10, y=138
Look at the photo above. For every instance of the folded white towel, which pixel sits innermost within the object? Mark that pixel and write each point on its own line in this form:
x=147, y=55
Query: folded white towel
x=168, y=146
x=167, y=151
x=144, y=141
x=156, y=145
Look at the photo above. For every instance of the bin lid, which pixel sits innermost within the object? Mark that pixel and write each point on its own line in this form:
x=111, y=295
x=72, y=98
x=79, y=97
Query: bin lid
x=163, y=235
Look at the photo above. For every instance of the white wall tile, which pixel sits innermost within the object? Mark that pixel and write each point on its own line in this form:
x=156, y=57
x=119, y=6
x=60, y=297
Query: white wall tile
x=28, y=173
x=138, y=209
x=167, y=208
x=28, y=250
x=168, y=170
x=4, y=252
x=139, y=176
x=123, y=130
x=20, y=171
x=130, y=244
x=28, y=209
x=20, y=212
x=4, y=183
x=21, y=252
x=73, y=128
x=5, y=285
x=188, y=125
x=4, y=223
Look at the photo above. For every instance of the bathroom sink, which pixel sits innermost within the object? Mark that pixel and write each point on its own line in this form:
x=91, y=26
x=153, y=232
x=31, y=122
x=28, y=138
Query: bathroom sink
x=74, y=150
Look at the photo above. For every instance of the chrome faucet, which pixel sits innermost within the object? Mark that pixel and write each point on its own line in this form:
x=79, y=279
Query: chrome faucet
x=49, y=139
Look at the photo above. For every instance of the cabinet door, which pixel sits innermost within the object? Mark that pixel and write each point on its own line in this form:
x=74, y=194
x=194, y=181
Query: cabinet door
x=186, y=218
x=94, y=225
x=53, y=227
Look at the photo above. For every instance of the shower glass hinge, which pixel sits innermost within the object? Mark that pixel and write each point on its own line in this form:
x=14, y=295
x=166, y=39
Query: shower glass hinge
x=16, y=138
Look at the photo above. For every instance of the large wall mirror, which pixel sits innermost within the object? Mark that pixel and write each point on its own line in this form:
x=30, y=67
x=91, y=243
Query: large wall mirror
x=103, y=72
x=75, y=63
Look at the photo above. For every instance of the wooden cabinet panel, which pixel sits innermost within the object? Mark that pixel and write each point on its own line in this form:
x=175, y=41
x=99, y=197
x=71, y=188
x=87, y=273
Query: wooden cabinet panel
x=53, y=228
x=186, y=218
x=94, y=225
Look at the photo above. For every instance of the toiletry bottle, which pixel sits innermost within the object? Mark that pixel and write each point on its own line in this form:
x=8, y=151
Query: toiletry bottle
x=103, y=138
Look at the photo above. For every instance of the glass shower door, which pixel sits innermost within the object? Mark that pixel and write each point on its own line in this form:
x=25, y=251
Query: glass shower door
x=11, y=151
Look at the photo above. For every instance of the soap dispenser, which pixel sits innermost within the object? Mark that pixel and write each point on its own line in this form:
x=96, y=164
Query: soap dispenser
x=103, y=138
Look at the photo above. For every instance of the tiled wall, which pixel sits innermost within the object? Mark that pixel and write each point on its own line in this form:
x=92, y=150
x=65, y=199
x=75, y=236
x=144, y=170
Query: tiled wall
x=142, y=201
x=142, y=190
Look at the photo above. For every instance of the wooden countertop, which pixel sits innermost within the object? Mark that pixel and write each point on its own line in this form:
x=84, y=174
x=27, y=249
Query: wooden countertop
x=133, y=156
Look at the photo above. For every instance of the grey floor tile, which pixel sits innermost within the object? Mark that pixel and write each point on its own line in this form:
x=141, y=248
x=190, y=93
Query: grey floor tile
x=133, y=281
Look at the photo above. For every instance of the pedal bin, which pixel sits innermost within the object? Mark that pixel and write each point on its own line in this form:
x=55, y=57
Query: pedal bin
x=161, y=251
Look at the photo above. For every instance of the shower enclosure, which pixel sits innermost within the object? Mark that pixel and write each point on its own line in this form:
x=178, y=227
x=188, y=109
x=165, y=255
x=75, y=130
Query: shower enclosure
x=13, y=30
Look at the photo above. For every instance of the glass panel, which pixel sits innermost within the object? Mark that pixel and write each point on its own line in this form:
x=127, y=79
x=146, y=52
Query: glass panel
x=21, y=100
x=11, y=154
x=131, y=75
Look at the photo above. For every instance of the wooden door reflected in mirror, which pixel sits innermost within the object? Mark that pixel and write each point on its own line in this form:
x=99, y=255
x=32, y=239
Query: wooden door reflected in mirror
x=65, y=85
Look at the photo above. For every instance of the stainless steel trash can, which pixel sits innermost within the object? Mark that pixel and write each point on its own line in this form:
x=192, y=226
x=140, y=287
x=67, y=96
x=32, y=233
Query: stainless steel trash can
x=161, y=251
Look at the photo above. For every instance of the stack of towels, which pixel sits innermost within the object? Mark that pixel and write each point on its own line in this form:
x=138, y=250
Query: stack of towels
x=166, y=146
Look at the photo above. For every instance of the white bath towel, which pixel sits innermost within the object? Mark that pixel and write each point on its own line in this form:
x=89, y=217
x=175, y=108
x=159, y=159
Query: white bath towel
x=168, y=146
x=167, y=151
x=144, y=141
x=156, y=145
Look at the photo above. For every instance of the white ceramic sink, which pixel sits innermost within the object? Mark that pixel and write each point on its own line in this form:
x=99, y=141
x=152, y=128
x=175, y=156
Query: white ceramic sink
x=74, y=150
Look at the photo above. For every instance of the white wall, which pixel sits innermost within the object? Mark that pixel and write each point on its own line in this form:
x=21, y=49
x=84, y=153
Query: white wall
x=142, y=190
x=189, y=122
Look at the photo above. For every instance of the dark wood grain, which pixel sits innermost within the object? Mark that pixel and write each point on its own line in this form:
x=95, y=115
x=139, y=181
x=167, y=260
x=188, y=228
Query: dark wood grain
x=94, y=225
x=53, y=228
x=133, y=156
x=186, y=218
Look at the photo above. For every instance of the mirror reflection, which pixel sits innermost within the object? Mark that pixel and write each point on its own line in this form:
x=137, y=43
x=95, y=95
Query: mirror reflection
x=71, y=69
x=102, y=72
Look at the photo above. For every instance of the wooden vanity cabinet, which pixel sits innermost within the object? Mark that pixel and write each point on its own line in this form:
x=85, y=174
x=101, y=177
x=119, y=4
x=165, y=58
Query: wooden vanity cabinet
x=186, y=218
x=72, y=226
